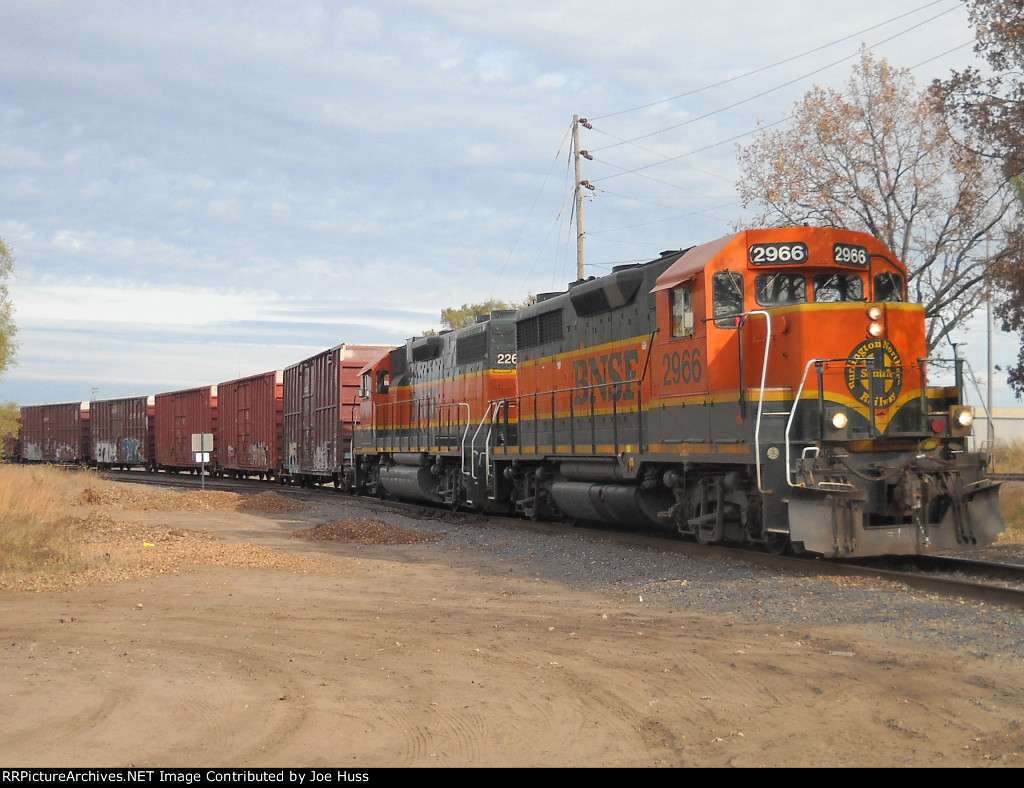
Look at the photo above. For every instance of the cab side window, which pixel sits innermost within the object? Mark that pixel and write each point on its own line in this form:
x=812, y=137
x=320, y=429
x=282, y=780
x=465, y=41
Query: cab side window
x=727, y=298
x=682, y=312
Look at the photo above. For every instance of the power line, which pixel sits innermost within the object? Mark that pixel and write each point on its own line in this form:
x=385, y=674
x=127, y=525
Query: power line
x=760, y=127
x=780, y=86
x=768, y=67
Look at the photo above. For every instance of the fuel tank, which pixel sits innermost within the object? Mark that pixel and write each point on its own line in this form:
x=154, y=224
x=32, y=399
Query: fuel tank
x=411, y=482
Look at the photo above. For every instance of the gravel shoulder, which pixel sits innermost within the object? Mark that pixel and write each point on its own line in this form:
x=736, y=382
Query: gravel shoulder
x=198, y=631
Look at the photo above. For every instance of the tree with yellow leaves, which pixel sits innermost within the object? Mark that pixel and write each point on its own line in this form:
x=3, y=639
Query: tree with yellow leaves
x=990, y=107
x=880, y=158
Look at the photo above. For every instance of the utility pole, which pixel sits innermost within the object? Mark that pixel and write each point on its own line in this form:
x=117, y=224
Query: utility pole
x=991, y=433
x=581, y=184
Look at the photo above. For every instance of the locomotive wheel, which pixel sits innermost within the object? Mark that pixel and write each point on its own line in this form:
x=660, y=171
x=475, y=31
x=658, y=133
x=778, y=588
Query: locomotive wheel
x=698, y=507
x=704, y=535
x=776, y=544
x=533, y=510
x=456, y=486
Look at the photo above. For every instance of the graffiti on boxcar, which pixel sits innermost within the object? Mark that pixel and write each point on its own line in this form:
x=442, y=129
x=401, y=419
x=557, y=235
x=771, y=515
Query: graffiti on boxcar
x=131, y=449
x=105, y=452
x=65, y=452
x=258, y=455
x=322, y=457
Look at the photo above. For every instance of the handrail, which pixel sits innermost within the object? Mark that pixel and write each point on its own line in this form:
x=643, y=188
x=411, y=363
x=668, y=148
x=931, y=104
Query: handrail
x=760, y=397
x=792, y=412
x=635, y=410
x=391, y=409
x=472, y=449
x=498, y=405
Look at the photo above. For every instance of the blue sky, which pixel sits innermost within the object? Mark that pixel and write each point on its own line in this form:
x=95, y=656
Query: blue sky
x=198, y=191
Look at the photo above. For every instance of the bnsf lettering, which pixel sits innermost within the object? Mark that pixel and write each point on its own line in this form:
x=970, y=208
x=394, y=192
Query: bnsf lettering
x=607, y=376
x=685, y=367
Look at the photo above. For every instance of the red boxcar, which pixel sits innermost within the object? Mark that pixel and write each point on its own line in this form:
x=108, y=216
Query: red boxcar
x=249, y=416
x=55, y=433
x=178, y=416
x=121, y=432
x=321, y=405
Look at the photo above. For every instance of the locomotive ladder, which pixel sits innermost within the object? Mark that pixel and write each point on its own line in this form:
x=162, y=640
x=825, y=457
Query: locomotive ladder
x=819, y=364
x=760, y=396
x=490, y=418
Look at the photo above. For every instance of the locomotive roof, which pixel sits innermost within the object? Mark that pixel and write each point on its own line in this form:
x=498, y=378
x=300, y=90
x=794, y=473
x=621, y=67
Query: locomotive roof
x=821, y=238
x=692, y=262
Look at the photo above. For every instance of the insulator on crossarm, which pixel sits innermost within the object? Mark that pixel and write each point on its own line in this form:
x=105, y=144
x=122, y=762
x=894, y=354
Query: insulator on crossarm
x=585, y=124
x=587, y=185
x=586, y=155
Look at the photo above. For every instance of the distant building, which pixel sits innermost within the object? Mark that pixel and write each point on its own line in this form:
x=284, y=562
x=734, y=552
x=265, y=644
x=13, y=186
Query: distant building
x=1007, y=424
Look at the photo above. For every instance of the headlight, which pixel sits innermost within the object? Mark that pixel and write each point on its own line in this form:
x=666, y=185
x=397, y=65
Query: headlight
x=839, y=420
x=875, y=312
x=875, y=330
x=961, y=418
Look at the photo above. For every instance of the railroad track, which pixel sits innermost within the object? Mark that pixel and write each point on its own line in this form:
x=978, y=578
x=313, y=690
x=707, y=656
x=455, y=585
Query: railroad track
x=963, y=577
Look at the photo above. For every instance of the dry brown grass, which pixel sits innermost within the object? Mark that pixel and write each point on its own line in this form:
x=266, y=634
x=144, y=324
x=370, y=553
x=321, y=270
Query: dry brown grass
x=56, y=533
x=1009, y=458
x=36, y=528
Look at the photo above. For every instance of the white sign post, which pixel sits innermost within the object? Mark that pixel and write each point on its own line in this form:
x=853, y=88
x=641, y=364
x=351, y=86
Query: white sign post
x=202, y=445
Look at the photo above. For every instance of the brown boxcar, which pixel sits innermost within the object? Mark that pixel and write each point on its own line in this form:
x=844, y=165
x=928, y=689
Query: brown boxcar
x=178, y=416
x=249, y=415
x=321, y=405
x=121, y=432
x=55, y=433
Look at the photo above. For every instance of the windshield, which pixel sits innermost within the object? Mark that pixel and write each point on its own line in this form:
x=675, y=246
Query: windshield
x=780, y=289
x=831, y=288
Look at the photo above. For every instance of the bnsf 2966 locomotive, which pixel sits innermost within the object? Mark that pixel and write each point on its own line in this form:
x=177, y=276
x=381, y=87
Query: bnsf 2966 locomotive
x=769, y=387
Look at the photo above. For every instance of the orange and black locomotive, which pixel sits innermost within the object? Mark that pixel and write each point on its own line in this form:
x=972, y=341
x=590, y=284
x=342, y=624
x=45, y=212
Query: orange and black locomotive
x=770, y=387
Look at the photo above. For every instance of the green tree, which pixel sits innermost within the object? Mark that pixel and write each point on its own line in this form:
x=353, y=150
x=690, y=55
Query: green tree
x=9, y=413
x=879, y=158
x=989, y=108
x=460, y=316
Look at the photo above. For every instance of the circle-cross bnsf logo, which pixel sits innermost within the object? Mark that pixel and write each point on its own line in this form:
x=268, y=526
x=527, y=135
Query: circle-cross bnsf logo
x=874, y=373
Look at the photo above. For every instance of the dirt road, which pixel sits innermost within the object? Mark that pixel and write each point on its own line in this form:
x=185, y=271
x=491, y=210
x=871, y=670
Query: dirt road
x=353, y=655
